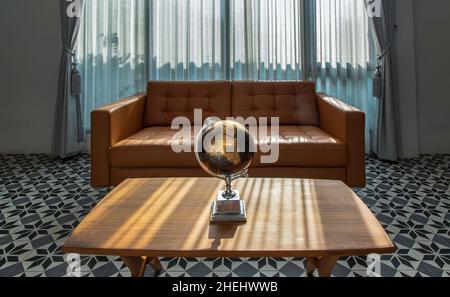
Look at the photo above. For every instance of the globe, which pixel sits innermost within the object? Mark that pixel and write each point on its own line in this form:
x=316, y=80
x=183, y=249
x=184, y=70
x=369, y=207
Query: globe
x=224, y=149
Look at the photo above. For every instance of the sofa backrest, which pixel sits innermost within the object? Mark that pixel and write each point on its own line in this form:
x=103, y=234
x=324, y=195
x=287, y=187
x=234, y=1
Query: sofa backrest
x=168, y=100
x=295, y=103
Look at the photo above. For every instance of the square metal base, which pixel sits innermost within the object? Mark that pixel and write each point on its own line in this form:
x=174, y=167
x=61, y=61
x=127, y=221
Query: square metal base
x=228, y=211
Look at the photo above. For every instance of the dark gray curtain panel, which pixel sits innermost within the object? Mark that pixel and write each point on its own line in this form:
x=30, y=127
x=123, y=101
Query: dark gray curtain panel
x=388, y=127
x=68, y=137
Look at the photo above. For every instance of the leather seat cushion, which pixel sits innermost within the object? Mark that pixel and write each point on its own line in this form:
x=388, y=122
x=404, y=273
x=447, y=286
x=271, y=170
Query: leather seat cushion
x=305, y=146
x=151, y=148
x=300, y=146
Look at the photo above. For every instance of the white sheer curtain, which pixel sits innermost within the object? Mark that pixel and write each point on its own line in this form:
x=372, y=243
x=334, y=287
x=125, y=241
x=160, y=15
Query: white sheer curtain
x=187, y=40
x=125, y=43
x=345, y=57
x=266, y=39
x=112, y=52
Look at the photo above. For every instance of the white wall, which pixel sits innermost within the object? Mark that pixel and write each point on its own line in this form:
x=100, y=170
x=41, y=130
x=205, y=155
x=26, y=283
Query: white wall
x=409, y=142
x=29, y=58
x=423, y=50
x=432, y=40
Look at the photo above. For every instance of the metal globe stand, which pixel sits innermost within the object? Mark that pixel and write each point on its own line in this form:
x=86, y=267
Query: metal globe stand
x=228, y=206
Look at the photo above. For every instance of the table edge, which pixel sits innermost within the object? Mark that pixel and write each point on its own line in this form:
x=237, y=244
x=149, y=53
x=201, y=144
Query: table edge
x=231, y=254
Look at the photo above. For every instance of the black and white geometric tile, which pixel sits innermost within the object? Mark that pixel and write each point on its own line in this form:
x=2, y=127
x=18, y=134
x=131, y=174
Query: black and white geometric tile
x=42, y=200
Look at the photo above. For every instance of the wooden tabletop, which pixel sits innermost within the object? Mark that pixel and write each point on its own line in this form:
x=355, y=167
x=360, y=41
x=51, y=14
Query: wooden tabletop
x=286, y=218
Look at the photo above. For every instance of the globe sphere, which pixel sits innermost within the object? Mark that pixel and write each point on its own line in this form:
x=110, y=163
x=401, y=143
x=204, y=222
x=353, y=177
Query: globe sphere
x=224, y=149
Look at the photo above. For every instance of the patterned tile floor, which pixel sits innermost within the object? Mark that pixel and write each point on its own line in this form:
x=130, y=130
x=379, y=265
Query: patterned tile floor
x=42, y=200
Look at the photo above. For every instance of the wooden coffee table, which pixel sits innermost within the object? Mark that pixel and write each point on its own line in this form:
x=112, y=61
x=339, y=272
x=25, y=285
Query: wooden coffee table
x=143, y=219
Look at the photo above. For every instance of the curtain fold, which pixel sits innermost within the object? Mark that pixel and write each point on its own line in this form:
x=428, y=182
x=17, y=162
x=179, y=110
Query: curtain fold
x=68, y=137
x=187, y=40
x=344, y=57
x=266, y=39
x=388, y=126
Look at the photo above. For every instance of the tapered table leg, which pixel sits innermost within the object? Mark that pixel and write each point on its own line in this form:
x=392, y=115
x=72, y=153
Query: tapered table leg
x=311, y=266
x=156, y=265
x=138, y=265
x=324, y=265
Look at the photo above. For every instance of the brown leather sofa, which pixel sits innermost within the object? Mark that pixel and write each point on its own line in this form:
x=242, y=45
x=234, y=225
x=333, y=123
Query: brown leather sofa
x=320, y=137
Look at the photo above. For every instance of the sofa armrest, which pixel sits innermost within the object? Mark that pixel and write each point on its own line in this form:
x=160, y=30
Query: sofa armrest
x=111, y=124
x=346, y=123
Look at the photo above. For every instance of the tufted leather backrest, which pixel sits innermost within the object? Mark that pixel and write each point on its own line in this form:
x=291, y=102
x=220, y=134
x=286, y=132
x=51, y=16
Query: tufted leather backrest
x=295, y=103
x=168, y=100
